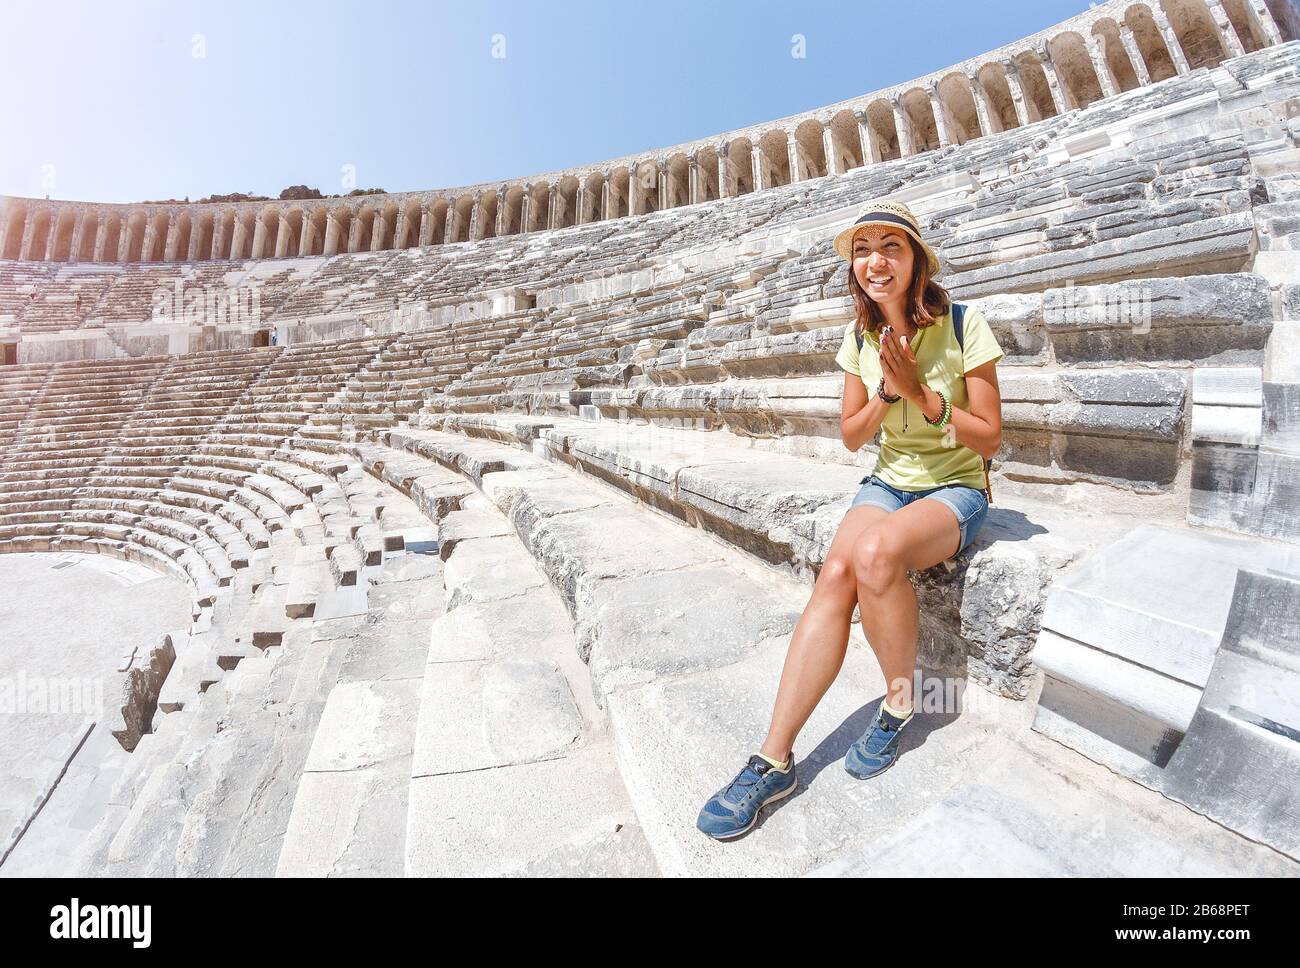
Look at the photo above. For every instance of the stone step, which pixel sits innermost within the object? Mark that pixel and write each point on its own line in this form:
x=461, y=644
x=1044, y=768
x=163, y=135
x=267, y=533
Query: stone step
x=350, y=808
x=689, y=689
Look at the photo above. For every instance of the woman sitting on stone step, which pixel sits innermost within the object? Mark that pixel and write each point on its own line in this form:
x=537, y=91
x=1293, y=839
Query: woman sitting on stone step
x=922, y=370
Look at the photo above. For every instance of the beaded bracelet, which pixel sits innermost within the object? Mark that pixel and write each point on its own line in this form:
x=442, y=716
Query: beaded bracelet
x=880, y=392
x=944, y=414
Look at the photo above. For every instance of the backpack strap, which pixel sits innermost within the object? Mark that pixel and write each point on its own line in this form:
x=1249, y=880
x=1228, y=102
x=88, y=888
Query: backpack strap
x=958, y=319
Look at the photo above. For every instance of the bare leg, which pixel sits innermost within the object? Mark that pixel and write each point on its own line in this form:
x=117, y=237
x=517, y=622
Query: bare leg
x=915, y=537
x=821, y=637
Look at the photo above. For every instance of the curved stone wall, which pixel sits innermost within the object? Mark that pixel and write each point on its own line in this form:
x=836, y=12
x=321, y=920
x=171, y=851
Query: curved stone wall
x=1112, y=48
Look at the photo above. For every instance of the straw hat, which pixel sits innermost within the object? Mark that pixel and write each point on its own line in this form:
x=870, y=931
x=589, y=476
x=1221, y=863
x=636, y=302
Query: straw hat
x=884, y=211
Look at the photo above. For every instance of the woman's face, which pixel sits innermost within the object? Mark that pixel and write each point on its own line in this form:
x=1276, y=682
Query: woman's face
x=882, y=261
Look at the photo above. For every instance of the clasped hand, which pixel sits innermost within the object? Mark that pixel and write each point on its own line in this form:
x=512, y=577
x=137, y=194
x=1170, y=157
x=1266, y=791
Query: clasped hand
x=899, y=367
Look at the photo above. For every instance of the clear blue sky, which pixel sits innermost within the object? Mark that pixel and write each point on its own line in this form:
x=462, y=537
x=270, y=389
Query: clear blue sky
x=106, y=101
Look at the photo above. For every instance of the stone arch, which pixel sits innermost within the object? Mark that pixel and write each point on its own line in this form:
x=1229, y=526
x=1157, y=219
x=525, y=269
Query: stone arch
x=845, y=142
x=811, y=150
x=408, y=226
x=620, y=182
x=565, y=192
x=288, y=240
x=338, y=234
x=703, y=159
x=112, y=237
x=739, y=155
x=160, y=221
x=224, y=225
x=202, y=236
x=677, y=180
x=462, y=221
x=643, y=187
x=1150, y=43
x=1196, y=31
x=1245, y=25
x=511, y=215
x=1033, y=81
x=1106, y=32
x=1002, y=106
x=60, y=246
x=774, y=156
x=136, y=223
x=1074, y=71
x=880, y=120
x=179, y=249
x=362, y=228
x=383, y=231
x=89, y=230
x=315, y=222
x=16, y=219
x=916, y=106
x=957, y=98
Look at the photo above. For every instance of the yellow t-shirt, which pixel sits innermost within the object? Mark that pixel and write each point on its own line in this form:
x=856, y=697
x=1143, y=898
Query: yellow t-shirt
x=919, y=457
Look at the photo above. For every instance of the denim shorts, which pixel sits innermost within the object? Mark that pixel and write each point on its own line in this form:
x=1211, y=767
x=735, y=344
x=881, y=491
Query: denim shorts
x=970, y=504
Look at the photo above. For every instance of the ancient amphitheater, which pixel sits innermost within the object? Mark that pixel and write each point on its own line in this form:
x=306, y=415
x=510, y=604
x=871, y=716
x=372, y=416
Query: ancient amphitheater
x=467, y=528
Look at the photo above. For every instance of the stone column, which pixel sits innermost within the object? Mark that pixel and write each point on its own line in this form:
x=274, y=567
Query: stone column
x=756, y=163
x=1262, y=18
x=940, y=116
x=192, y=249
x=123, y=238
x=451, y=226
x=1105, y=78
x=634, y=190
x=331, y=245
x=903, y=127
x=795, y=162
x=237, y=238
x=1171, y=40
x=604, y=199
x=259, y=237
x=1021, y=103
x=982, y=112
x=29, y=229
x=725, y=180
x=581, y=201
x=52, y=236
x=1227, y=33
x=282, y=236
x=172, y=240
x=831, y=154
x=867, y=139
x=1134, y=55
x=661, y=184
x=525, y=210
x=501, y=212
x=78, y=231
x=150, y=233
x=101, y=237
x=692, y=179
x=218, y=235
x=1059, y=99
x=400, y=230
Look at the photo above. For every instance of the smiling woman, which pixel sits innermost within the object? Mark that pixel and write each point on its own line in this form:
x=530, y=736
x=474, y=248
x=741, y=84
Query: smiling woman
x=909, y=343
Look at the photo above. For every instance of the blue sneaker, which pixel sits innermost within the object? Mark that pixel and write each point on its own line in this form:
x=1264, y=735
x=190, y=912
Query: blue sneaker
x=876, y=750
x=734, y=809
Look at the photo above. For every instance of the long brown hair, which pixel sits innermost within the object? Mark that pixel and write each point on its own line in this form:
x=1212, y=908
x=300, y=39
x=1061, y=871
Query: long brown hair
x=927, y=299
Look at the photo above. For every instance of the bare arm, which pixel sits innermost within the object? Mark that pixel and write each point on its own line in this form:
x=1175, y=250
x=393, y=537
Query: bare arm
x=979, y=428
x=860, y=418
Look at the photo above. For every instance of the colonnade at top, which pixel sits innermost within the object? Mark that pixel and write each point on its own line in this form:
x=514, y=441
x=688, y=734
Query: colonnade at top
x=1112, y=48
